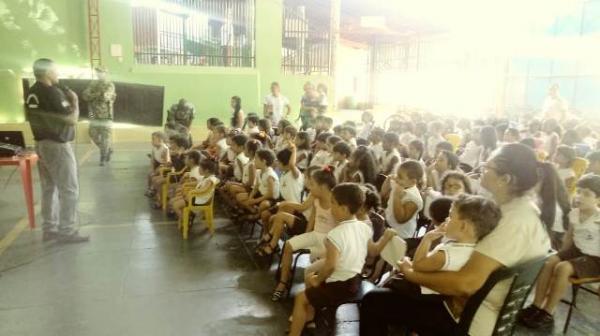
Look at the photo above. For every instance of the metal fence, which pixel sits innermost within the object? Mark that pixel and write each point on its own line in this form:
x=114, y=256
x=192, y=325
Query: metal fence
x=306, y=47
x=195, y=32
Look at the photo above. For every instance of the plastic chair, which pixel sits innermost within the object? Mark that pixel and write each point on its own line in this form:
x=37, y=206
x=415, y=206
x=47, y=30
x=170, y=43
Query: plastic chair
x=454, y=139
x=165, y=187
x=207, y=209
x=577, y=284
x=523, y=278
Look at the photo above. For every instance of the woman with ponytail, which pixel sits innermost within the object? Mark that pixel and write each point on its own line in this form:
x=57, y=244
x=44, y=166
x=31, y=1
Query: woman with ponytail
x=237, y=120
x=510, y=175
x=554, y=204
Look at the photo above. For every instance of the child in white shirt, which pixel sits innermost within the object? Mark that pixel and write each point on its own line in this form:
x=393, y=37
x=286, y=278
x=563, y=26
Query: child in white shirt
x=376, y=138
x=266, y=188
x=302, y=142
x=579, y=256
x=338, y=279
x=251, y=125
x=391, y=156
x=405, y=200
x=340, y=153
x=563, y=159
x=321, y=157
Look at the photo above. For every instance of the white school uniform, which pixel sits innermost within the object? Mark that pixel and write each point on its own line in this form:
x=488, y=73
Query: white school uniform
x=291, y=188
x=520, y=236
x=321, y=158
x=246, y=173
x=204, y=181
x=432, y=142
x=263, y=182
x=160, y=154
x=471, y=154
x=222, y=148
x=252, y=130
x=407, y=229
x=351, y=239
x=565, y=173
x=586, y=235
x=195, y=173
x=378, y=151
x=387, y=159
x=238, y=173
x=456, y=255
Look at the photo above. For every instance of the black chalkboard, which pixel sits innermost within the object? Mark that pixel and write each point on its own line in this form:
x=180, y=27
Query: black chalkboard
x=137, y=104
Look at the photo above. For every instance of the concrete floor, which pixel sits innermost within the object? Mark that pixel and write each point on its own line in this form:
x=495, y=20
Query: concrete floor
x=137, y=276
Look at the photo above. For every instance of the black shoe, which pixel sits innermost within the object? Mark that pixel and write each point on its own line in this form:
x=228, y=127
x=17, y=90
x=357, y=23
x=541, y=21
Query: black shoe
x=540, y=320
x=73, y=238
x=109, y=154
x=49, y=235
x=527, y=313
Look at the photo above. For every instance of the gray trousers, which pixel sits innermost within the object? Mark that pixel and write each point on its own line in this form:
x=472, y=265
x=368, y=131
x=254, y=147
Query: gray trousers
x=60, y=186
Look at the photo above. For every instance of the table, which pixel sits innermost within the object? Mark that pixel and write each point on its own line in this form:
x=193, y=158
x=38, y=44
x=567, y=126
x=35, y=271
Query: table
x=25, y=162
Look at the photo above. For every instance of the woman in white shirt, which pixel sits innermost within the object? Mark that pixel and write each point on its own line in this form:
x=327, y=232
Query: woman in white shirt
x=519, y=237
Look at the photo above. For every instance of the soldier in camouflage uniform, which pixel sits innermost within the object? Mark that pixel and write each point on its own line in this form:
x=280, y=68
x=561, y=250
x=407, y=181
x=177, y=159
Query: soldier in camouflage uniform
x=100, y=96
x=179, y=119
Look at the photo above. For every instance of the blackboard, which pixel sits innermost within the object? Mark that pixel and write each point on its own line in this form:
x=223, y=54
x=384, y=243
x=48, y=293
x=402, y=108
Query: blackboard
x=137, y=104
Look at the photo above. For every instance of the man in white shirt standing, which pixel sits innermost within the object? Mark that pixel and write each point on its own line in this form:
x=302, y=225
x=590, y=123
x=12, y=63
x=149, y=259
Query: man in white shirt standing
x=274, y=105
x=555, y=106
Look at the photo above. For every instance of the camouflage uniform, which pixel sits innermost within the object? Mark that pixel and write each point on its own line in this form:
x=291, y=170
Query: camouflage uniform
x=179, y=119
x=100, y=96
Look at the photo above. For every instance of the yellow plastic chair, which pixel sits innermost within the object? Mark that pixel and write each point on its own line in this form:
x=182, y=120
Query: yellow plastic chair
x=541, y=156
x=165, y=187
x=206, y=209
x=454, y=139
x=579, y=166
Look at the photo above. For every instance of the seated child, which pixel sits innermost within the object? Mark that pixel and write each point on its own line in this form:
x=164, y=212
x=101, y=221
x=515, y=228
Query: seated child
x=236, y=192
x=292, y=216
x=205, y=187
x=346, y=249
x=339, y=154
x=177, y=148
x=189, y=180
x=292, y=186
x=391, y=156
x=266, y=188
x=302, y=142
x=579, y=256
x=405, y=200
x=563, y=159
x=252, y=125
x=349, y=135
x=211, y=123
x=159, y=157
x=594, y=160
x=320, y=223
x=375, y=139
x=321, y=157
x=220, y=147
x=362, y=167
x=471, y=219
x=226, y=165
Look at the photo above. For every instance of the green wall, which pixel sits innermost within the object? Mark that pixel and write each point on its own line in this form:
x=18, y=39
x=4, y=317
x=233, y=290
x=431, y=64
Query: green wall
x=209, y=89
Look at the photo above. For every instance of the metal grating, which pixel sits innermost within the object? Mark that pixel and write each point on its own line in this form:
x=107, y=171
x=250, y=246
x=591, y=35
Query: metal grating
x=195, y=32
x=307, y=45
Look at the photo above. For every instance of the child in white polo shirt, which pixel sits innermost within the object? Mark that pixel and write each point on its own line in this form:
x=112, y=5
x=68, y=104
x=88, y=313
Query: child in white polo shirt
x=346, y=245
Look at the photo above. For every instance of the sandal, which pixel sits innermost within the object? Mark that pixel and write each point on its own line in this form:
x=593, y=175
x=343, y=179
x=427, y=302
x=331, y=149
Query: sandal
x=279, y=294
x=263, y=250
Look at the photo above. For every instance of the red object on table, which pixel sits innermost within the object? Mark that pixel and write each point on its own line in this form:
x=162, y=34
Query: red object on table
x=25, y=162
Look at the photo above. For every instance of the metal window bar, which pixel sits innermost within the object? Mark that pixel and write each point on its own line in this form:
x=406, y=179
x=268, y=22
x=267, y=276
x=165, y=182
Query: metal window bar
x=195, y=32
x=306, y=47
